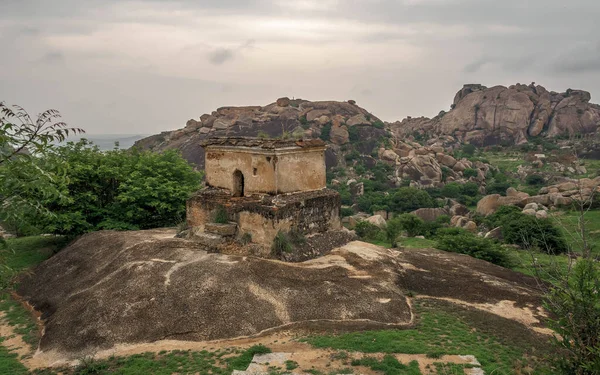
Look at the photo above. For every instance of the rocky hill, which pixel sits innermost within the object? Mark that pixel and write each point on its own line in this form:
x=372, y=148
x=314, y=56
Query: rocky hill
x=499, y=115
x=109, y=288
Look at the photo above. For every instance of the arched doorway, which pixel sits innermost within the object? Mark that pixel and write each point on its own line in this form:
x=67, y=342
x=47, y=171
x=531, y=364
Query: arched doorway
x=238, y=184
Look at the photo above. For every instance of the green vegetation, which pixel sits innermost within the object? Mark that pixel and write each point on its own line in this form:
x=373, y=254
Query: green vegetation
x=281, y=244
x=460, y=241
x=118, y=189
x=221, y=216
x=9, y=362
x=221, y=362
x=326, y=131
x=389, y=365
x=528, y=231
x=500, y=346
x=574, y=304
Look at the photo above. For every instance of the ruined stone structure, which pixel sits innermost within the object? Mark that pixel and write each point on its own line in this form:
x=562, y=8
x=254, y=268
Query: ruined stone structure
x=256, y=188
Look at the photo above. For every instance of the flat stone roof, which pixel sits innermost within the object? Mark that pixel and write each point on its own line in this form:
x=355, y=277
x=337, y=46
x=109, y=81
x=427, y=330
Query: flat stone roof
x=262, y=143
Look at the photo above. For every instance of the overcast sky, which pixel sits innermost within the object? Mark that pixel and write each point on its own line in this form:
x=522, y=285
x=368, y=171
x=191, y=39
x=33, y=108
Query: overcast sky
x=117, y=66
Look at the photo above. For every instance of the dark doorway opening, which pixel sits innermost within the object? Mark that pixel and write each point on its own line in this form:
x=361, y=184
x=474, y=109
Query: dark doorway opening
x=238, y=184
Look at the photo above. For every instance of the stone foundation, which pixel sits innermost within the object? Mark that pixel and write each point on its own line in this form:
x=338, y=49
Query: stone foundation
x=262, y=216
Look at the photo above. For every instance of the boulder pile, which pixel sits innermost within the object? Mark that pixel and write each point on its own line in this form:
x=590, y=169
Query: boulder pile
x=431, y=166
x=563, y=194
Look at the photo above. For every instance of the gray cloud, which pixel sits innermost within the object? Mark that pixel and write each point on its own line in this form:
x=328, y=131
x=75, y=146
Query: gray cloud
x=220, y=56
x=582, y=59
x=399, y=57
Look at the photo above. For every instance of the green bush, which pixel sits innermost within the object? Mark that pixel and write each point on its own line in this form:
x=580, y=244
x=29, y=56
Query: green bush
x=412, y=224
x=470, y=172
x=325, y=132
x=378, y=124
x=281, y=244
x=527, y=231
x=574, y=305
x=221, y=216
x=468, y=149
x=407, y=199
x=460, y=241
x=346, y=211
x=530, y=232
x=117, y=189
x=366, y=230
x=535, y=180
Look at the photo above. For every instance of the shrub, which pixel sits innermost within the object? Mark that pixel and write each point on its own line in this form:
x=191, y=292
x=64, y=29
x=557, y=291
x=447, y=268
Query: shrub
x=468, y=149
x=325, y=132
x=366, y=230
x=528, y=231
x=281, y=244
x=497, y=187
x=378, y=124
x=263, y=135
x=221, y=216
x=408, y=199
x=412, y=224
x=535, y=180
x=346, y=211
x=461, y=241
x=470, y=172
x=392, y=230
x=574, y=304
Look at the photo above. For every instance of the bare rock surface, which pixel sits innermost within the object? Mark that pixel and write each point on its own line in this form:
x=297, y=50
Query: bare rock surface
x=487, y=116
x=110, y=288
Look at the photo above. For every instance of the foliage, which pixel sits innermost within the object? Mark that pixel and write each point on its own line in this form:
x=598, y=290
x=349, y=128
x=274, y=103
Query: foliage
x=574, y=304
x=467, y=193
x=118, y=189
x=378, y=124
x=528, y=231
x=389, y=365
x=353, y=134
x=263, y=135
x=392, y=230
x=221, y=216
x=241, y=362
x=281, y=244
x=366, y=230
x=412, y=224
x=535, y=180
x=346, y=211
x=325, y=132
x=24, y=183
x=467, y=243
x=497, y=187
x=470, y=172
x=468, y=149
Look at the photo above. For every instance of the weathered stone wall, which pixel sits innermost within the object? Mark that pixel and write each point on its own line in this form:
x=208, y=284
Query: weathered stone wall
x=266, y=171
x=309, y=212
x=301, y=171
x=257, y=167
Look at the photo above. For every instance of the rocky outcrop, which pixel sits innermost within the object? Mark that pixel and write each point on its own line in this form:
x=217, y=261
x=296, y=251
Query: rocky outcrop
x=109, y=288
x=487, y=116
x=284, y=118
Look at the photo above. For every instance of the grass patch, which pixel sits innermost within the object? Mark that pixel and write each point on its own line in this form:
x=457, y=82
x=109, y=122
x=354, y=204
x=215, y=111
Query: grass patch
x=165, y=363
x=568, y=223
x=499, y=344
x=389, y=365
x=9, y=362
x=416, y=243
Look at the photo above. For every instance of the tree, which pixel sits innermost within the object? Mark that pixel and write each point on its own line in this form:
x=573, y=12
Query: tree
x=572, y=299
x=24, y=183
x=118, y=189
